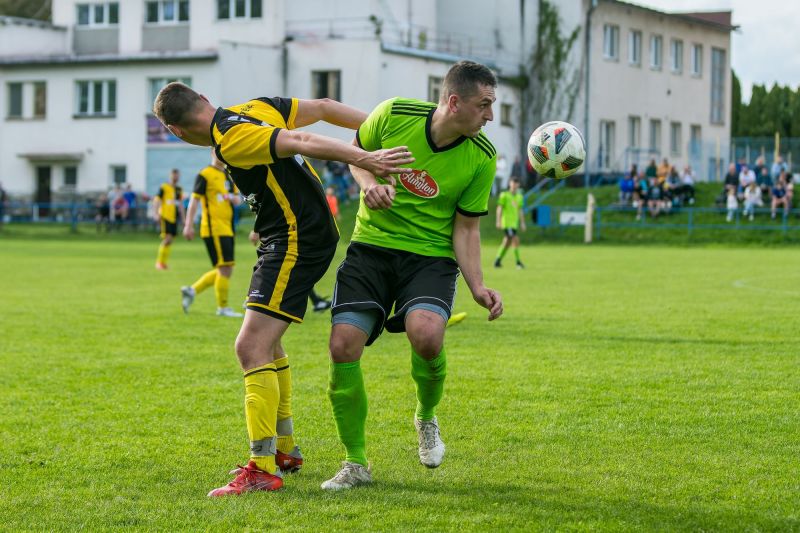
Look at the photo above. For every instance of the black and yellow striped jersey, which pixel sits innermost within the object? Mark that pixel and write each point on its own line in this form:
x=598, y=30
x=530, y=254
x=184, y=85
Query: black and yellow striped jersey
x=171, y=196
x=286, y=193
x=215, y=189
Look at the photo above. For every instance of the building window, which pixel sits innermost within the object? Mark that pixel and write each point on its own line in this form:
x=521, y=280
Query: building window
x=71, y=177
x=102, y=14
x=656, y=51
x=167, y=11
x=634, y=132
x=655, y=135
x=695, y=140
x=606, y=148
x=697, y=60
x=156, y=84
x=676, y=55
x=611, y=41
x=635, y=47
x=39, y=99
x=718, y=69
x=15, y=100
x=228, y=9
x=119, y=174
x=505, y=115
x=434, y=89
x=675, y=138
x=326, y=84
x=96, y=98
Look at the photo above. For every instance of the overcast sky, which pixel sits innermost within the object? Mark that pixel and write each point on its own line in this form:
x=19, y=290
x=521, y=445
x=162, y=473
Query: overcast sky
x=766, y=49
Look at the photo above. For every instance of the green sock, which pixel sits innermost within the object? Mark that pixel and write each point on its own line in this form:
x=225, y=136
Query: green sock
x=501, y=252
x=349, y=402
x=516, y=253
x=429, y=377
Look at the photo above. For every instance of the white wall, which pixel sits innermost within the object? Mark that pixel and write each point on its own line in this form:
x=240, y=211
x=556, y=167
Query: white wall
x=23, y=39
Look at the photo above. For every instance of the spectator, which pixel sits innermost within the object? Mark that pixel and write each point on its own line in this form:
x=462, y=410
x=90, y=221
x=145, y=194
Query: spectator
x=686, y=188
x=671, y=196
x=777, y=167
x=789, y=188
x=333, y=202
x=779, y=196
x=663, y=171
x=651, y=170
x=764, y=181
x=655, y=197
x=626, y=186
x=500, y=175
x=103, y=215
x=731, y=178
x=130, y=199
x=119, y=210
x=752, y=199
x=732, y=204
x=338, y=179
x=640, y=194
x=746, y=177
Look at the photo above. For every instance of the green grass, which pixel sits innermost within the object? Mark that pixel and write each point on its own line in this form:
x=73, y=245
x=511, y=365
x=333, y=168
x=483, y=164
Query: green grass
x=626, y=388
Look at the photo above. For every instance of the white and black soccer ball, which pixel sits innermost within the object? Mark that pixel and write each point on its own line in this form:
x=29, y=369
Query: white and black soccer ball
x=556, y=149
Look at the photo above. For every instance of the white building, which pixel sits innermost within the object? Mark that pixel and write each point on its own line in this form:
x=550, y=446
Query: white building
x=77, y=93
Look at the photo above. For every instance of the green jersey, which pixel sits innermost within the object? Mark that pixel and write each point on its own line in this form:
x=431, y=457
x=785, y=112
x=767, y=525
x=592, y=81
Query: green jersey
x=511, y=205
x=456, y=177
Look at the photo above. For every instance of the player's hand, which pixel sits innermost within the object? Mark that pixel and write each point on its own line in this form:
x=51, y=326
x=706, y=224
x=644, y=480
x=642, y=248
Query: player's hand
x=254, y=238
x=188, y=232
x=386, y=161
x=491, y=300
x=380, y=195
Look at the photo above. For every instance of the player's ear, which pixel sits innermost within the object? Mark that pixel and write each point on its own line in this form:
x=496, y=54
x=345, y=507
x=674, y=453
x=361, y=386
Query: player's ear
x=453, y=103
x=176, y=131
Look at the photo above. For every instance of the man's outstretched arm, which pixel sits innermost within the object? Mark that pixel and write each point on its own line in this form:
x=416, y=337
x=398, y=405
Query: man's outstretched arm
x=330, y=111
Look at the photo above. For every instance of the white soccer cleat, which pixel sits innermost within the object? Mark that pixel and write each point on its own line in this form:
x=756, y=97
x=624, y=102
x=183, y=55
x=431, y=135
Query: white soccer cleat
x=227, y=311
x=431, y=447
x=351, y=475
x=187, y=297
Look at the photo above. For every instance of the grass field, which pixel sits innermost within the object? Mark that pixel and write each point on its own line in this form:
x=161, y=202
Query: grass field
x=626, y=388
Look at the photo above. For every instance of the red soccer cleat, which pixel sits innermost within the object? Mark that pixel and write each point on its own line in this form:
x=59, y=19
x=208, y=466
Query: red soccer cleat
x=161, y=266
x=289, y=462
x=250, y=478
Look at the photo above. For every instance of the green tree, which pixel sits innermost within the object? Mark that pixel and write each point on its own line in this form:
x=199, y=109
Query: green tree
x=31, y=9
x=736, y=105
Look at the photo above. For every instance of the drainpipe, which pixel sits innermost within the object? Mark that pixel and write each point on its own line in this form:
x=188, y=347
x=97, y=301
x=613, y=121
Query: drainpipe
x=586, y=136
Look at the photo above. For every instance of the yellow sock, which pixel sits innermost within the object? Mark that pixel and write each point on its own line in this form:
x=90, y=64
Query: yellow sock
x=262, y=394
x=205, y=281
x=221, y=285
x=284, y=426
x=163, y=253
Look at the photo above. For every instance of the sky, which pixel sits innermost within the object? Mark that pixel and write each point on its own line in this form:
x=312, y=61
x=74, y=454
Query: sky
x=765, y=49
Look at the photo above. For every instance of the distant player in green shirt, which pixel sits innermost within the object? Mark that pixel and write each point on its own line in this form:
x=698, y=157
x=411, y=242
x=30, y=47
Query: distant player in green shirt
x=510, y=219
x=412, y=236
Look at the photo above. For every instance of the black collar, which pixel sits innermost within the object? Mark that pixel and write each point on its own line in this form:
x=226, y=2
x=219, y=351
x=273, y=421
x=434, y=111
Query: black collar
x=428, y=136
x=217, y=118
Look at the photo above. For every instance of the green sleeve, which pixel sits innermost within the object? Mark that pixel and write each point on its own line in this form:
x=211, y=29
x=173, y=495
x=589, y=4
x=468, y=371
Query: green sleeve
x=370, y=133
x=474, y=200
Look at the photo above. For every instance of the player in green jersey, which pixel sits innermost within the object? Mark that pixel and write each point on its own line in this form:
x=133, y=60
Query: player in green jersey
x=412, y=236
x=510, y=219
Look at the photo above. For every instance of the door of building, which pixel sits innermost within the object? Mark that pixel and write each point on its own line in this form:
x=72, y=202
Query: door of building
x=44, y=193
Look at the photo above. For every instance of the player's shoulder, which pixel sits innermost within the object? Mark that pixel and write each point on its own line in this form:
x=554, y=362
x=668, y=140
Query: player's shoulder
x=484, y=145
x=409, y=106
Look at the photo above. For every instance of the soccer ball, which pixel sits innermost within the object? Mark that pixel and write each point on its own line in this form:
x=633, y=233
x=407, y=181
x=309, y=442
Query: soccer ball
x=556, y=149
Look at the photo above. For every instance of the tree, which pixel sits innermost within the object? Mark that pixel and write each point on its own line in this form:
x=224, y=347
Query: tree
x=30, y=9
x=736, y=105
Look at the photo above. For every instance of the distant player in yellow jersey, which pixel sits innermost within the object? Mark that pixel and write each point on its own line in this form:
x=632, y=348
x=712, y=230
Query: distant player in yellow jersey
x=215, y=192
x=167, y=205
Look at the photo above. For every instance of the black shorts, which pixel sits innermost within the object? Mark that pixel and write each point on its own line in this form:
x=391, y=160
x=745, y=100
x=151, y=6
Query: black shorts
x=220, y=250
x=168, y=228
x=376, y=278
x=282, y=282
x=510, y=232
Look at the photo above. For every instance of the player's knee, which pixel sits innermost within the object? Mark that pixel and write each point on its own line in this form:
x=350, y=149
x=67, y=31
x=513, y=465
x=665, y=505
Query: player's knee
x=247, y=350
x=343, y=350
x=426, y=340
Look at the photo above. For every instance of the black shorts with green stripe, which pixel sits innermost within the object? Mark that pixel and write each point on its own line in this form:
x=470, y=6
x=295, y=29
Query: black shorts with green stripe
x=282, y=281
x=220, y=250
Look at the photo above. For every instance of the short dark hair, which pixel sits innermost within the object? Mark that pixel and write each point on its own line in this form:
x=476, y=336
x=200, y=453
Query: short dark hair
x=464, y=77
x=174, y=104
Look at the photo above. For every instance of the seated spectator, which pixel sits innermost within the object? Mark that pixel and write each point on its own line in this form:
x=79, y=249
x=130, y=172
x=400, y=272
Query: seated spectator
x=731, y=178
x=777, y=167
x=686, y=188
x=662, y=171
x=655, y=197
x=732, y=204
x=671, y=196
x=130, y=199
x=780, y=198
x=119, y=210
x=752, y=199
x=639, y=194
x=102, y=216
x=746, y=177
x=764, y=181
x=651, y=170
x=789, y=188
x=626, y=187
